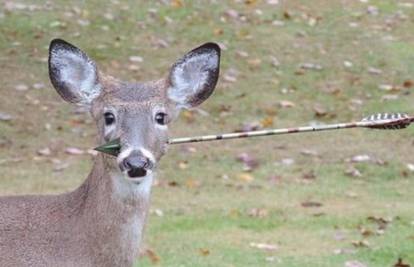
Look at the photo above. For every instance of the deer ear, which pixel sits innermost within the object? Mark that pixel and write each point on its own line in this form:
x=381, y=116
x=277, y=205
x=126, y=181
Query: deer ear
x=194, y=77
x=72, y=73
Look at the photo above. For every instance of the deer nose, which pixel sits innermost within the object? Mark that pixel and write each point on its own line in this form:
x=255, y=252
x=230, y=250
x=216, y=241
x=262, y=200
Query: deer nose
x=136, y=165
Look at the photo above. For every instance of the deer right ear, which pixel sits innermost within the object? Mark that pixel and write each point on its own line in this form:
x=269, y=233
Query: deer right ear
x=194, y=77
x=72, y=73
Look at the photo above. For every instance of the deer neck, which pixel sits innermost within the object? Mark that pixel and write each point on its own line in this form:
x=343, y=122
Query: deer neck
x=106, y=187
x=114, y=211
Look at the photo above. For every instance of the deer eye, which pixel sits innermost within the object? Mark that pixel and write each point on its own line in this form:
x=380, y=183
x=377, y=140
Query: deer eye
x=109, y=118
x=161, y=118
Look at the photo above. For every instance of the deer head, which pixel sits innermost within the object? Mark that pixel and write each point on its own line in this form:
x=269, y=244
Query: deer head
x=136, y=113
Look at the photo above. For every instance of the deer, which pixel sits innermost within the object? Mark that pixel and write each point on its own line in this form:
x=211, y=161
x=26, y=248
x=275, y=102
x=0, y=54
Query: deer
x=101, y=223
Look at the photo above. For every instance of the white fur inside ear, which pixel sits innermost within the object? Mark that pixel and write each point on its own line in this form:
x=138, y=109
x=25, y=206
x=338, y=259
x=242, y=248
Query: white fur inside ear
x=191, y=75
x=78, y=73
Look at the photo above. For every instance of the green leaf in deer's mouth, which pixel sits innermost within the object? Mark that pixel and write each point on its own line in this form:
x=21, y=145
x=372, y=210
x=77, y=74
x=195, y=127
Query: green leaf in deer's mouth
x=112, y=147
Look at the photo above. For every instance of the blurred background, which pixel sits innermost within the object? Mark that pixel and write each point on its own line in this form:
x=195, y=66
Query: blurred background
x=343, y=198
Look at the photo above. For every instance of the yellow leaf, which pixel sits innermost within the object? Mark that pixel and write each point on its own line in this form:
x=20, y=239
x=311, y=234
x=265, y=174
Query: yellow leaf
x=191, y=183
x=204, y=252
x=250, y=2
x=152, y=256
x=182, y=165
x=188, y=116
x=246, y=177
x=255, y=62
x=218, y=31
x=267, y=122
x=177, y=3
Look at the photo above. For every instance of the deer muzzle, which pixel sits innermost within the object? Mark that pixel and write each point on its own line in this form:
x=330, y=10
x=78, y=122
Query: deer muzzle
x=136, y=163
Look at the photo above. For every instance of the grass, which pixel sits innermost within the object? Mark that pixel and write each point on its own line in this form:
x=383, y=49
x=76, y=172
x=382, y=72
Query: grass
x=206, y=218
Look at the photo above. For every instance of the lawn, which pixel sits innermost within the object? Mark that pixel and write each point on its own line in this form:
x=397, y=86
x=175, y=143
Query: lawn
x=341, y=198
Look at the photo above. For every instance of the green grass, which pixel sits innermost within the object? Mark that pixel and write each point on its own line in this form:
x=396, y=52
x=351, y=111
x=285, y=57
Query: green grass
x=206, y=219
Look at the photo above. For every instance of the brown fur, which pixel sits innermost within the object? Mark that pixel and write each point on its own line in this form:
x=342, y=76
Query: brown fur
x=101, y=223
x=81, y=228
x=70, y=229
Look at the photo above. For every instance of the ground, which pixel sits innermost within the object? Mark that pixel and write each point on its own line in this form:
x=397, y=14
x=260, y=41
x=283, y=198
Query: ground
x=341, y=198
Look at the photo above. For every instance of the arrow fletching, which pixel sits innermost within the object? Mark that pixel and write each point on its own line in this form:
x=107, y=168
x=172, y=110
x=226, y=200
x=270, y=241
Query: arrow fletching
x=388, y=121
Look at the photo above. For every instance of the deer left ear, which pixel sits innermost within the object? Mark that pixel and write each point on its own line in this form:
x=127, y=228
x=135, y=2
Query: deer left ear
x=73, y=73
x=194, y=77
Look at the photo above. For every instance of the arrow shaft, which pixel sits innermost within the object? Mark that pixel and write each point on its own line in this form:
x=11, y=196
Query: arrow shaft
x=303, y=129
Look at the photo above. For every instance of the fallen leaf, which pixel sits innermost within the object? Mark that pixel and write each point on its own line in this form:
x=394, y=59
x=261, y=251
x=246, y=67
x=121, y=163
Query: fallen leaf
x=218, y=31
x=400, y=263
x=267, y=122
x=251, y=126
x=286, y=104
x=177, y=3
x=278, y=23
x=340, y=251
x=272, y=2
x=308, y=152
x=380, y=221
x=311, y=204
x=245, y=177
x=264, y=246
x=351, y=194
x=5, y=116
x=354, y=264
x=319, y=111
x=152, y=256
x=38, y=86
x=229, y=78
x=287, y=161
x=275, y=62
x=348, y=64
x=388, y=88
x=339, y=235
x=273, y=259
x=60, y=166
x=44, y=151
x=136, y=59
x=74, y=151
x=249, y=161
x=92, y=152
x=258, y=213
x=275, y=179
x=254, y=62
x=182, y=165
x=389, y=97
x=188, y=115
x=372, y=10
x=361, y=158
x=157, y=212
x=242, y=54
x=374, y=71
x=191, y=183
x=204, y=252
x=360, y=243
x=410, y=167
x=10, y=160
x=250, y=2
x=21, y=87
x=310, y=66
x=231, y=13
x=408, y=83
x=366, y=232
x=353, y=172
x=309, y=175
x=173, y=183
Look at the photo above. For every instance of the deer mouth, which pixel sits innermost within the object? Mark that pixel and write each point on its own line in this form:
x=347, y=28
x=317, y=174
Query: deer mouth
x=137, y=173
